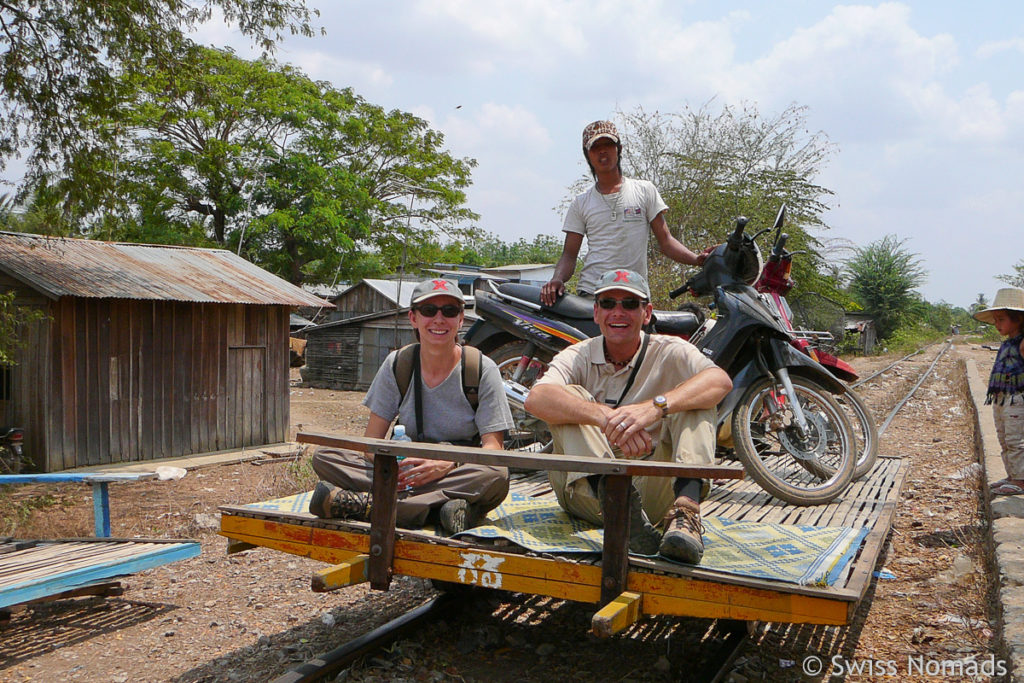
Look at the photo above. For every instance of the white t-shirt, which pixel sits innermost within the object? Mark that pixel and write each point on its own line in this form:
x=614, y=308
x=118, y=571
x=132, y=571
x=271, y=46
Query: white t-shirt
x=618, y=243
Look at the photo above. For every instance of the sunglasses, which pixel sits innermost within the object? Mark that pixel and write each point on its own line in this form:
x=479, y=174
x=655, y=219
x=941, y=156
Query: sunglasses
x=627, y=304
x=430, y=310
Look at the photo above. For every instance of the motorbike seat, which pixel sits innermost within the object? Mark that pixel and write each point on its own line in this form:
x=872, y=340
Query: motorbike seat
x=681, y=323
x=569, y=306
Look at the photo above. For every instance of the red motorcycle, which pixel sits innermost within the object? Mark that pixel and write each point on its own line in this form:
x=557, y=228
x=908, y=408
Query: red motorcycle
x=774, y=283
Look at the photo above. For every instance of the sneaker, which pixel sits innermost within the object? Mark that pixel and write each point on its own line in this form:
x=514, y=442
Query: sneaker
x=331, y=502
x=683, y=529
x=644, y=538
x=454, y=516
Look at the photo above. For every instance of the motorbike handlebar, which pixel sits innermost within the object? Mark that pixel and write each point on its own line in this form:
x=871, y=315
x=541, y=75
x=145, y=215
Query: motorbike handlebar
x=679, y=290
x=780, y=245
x=736, y=238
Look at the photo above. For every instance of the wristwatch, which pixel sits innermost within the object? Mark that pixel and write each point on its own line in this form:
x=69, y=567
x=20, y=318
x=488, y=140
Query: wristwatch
x=661, y=402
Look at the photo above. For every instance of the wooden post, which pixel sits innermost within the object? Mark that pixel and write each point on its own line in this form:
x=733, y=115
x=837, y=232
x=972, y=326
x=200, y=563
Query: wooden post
x=101, y=509
x=383, y=512
x=615, y=560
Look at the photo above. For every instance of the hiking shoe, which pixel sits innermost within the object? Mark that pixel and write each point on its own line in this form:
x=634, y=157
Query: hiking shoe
x=331, y=502
x=454, y=516
x=644, y=539
x=683, y=529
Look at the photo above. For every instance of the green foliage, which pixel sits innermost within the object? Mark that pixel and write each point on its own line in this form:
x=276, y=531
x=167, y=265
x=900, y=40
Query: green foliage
x=912, y=336
x=711, y=166
x=13, y=318
x=487, y=250
x=884, y=278
x=303, y=179
x=1016, y=278
x=60, y=62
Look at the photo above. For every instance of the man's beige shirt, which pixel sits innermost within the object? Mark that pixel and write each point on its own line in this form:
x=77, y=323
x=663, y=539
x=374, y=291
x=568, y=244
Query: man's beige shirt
x=669, y=362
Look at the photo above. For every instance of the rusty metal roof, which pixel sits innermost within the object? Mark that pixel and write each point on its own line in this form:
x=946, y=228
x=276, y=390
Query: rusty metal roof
x=58, y=267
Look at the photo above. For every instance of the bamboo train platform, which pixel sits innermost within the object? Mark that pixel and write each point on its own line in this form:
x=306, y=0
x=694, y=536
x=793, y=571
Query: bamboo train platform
x=622, y=587
x=31, y=571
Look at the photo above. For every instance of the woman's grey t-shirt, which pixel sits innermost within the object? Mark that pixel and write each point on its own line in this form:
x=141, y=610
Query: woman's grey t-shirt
x=446, y=410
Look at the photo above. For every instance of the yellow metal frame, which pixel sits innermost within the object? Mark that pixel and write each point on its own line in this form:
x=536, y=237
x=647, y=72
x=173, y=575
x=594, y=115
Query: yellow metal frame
x=647, y=593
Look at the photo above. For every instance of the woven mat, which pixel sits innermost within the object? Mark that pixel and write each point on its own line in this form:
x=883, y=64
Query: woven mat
x=804, y=555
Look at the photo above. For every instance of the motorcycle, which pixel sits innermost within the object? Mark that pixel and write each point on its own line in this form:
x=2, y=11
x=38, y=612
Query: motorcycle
x=800, y=451
x=11, y=458
x=775, y=282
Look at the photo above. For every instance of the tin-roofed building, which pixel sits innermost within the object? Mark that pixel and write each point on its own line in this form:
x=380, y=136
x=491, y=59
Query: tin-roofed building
x=147, y=352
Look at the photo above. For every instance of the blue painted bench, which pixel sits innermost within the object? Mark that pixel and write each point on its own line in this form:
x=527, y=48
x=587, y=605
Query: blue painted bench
x=32, y=570
x=100, y=494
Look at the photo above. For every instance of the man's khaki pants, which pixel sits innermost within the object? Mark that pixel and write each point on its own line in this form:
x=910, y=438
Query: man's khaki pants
x=687, y=437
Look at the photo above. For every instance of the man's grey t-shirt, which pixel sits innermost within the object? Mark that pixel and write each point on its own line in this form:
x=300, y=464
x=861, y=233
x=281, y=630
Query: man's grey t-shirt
x=446, y=410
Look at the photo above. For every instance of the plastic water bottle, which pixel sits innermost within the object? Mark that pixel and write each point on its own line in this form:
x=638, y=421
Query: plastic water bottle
x=398, y=434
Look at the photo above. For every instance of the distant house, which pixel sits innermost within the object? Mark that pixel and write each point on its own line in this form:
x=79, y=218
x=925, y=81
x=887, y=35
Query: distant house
x=374, y=320
x=147, y=352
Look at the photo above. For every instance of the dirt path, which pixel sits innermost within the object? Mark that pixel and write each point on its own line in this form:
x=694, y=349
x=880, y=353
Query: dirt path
x=252, y=616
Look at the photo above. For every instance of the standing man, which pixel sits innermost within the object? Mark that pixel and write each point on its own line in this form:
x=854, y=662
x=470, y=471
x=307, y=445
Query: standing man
x=615, y=216
x=627, y=393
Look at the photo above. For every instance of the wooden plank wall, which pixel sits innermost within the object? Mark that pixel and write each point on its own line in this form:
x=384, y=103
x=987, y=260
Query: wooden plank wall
x=133, y=380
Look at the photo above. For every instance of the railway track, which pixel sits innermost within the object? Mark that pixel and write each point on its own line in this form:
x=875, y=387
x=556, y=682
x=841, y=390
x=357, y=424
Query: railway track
x=718, y=644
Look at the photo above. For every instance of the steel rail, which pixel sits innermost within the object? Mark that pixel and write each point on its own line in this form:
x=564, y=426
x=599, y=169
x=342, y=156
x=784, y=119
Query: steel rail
x=340, y=657
x=888, y=367
x=920, y=381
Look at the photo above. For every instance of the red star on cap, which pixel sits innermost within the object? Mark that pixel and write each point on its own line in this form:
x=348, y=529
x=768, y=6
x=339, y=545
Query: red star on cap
x=621, y=276
x=440, y=284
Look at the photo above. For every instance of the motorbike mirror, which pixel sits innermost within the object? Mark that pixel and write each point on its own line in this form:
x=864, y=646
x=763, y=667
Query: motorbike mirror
x=780, y=218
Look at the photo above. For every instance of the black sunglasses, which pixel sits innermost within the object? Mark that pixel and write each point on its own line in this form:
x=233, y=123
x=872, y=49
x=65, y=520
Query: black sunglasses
x=627, y=304
x=430, y=310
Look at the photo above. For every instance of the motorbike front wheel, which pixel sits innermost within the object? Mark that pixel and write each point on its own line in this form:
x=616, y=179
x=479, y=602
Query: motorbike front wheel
x=802, y=469
x=529, y=433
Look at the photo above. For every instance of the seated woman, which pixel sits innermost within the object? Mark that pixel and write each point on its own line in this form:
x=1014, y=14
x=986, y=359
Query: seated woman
x=460, y=494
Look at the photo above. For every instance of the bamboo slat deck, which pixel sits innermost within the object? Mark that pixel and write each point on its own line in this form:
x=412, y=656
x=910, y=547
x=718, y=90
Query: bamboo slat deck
x=31, y=570
x=659, y=587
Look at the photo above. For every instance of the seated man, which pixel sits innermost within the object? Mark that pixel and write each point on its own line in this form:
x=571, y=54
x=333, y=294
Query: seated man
x=639, y=396
x=435, y=408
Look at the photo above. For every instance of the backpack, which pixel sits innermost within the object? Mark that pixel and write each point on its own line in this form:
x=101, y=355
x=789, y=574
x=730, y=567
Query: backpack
x=403, y=369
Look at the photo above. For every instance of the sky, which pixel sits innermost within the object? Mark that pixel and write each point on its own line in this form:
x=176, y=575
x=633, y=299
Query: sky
x=922, y=100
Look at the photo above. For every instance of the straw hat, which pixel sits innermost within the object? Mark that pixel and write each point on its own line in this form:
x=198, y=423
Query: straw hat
x=1007, y=299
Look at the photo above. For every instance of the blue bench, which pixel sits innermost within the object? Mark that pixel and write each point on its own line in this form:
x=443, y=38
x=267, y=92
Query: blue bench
x=32, y=570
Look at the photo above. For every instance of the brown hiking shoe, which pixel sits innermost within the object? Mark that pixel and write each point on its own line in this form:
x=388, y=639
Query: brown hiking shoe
x=330, y=502
x=683, y=529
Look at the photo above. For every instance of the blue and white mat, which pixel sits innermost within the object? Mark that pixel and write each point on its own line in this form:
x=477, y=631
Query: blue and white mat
x=804, y=555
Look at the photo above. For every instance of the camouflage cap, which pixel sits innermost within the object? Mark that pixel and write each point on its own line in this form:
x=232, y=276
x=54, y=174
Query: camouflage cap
x=629, y=280
x=439, y=287
x=597, y=130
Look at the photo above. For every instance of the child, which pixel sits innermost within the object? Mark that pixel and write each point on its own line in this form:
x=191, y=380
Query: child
x=1006, y=386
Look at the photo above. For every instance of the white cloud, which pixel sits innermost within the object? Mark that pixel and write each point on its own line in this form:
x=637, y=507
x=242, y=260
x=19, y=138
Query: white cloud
x=994, y=48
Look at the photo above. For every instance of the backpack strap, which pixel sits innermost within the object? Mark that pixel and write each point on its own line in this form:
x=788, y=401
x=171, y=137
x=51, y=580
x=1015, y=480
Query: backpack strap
x=471, y=375
x=403, y=367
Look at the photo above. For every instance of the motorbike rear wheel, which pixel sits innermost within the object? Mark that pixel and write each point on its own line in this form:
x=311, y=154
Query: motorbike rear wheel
x=10, y=460
x=529, y=433
x=809, y=469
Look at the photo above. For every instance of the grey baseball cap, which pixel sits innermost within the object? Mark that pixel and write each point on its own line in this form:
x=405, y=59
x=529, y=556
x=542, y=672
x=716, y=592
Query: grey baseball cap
x=439, y=287
x=629, y=280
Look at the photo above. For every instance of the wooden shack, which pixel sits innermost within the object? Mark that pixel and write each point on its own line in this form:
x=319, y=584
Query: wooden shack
x=146, y=352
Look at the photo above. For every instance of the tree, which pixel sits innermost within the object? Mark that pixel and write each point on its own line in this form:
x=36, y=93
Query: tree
x=1015, y=279
x=300, y=177
x=884, y=278
x=62, y=64
x=711, y=167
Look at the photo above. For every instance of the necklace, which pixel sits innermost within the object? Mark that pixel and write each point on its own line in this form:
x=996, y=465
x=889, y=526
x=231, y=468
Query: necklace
x=612, y=206
x=618, y=365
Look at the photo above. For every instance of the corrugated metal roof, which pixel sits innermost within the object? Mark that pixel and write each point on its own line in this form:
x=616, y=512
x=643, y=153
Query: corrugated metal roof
x=390, y=289
x=60, y=267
